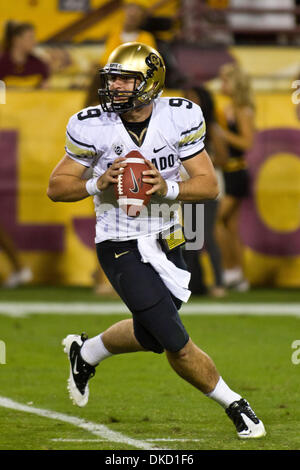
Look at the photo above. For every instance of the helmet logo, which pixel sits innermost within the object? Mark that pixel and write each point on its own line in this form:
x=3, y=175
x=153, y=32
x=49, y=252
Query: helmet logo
x=153, y=62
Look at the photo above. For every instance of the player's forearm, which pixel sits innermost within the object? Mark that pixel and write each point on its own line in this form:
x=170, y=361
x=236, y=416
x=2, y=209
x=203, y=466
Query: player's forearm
x=198, y=188
x=64, y=188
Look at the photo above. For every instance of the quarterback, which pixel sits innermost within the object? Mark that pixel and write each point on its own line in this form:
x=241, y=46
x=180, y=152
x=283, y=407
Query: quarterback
x=148, y=273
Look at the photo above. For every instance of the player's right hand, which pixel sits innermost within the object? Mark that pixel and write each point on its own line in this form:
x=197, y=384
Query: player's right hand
x=111, y=174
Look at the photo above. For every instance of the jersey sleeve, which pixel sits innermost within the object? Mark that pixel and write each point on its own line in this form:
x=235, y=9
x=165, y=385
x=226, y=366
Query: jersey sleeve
x=191, y=132
x=79, y=145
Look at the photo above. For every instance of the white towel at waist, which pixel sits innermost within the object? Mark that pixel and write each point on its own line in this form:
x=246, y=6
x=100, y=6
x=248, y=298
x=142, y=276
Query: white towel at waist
x=175, y=279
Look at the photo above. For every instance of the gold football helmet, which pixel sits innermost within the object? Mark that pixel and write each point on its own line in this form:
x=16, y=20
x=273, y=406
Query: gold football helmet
x=133, y=60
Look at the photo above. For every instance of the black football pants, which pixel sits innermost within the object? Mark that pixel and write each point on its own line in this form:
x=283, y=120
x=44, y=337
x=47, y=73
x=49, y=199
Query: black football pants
x=157, y=325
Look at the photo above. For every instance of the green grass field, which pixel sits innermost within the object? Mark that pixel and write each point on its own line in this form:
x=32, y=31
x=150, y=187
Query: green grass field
x=138, y=395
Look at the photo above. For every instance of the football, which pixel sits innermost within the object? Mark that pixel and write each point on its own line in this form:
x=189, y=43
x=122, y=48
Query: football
x=130, y=190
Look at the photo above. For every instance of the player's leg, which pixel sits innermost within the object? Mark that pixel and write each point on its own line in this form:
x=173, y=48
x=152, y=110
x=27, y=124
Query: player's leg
x=190, y=363
x=155, y=327
x=197, y=368
x=117, y=339
x=163, y=324
x=140, y=288
x=85, y=354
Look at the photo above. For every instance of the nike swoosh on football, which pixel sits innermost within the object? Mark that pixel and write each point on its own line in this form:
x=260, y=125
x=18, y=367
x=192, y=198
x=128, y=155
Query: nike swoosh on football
x=135, y=188
x=117, y=255
x=158, y=150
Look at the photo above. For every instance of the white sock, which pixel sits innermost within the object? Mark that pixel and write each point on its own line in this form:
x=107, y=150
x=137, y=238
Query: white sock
x=223, y=394
x=93, y=351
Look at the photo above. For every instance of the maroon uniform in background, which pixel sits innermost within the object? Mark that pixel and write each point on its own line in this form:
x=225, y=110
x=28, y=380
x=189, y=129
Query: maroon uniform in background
x=32, y=73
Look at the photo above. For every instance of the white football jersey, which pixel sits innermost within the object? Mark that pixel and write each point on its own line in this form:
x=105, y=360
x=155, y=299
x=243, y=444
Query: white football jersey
x=95, y=139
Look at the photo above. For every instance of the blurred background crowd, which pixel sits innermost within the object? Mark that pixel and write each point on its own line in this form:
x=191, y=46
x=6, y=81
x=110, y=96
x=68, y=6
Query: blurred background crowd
x=238, y=59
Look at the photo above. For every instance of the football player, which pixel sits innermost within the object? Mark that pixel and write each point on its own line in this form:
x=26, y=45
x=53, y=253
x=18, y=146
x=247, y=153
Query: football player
x=170, y=133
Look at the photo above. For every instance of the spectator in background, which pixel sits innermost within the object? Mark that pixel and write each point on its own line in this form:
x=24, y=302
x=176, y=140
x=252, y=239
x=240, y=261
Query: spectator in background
x=18, y=64
x=19, y=67
x=238, y=134
x=164, y=28
x=135, y=14
x=130, y=30
x=201, y=96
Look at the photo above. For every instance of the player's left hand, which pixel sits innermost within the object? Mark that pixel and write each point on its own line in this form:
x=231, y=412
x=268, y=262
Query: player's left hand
x=153, y=176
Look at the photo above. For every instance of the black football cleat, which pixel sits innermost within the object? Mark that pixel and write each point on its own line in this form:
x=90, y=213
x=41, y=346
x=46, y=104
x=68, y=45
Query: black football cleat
x=80, y=371
x=246, y=422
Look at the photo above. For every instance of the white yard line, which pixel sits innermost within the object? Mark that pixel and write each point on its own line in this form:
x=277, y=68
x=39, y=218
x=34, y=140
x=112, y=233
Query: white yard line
x=61, y=439
x=170, y=439
x=21, y=309
x=97, y=429
x=162, y=439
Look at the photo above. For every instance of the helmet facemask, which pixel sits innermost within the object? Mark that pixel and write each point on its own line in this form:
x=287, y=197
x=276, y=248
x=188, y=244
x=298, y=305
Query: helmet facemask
x=120, y=101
